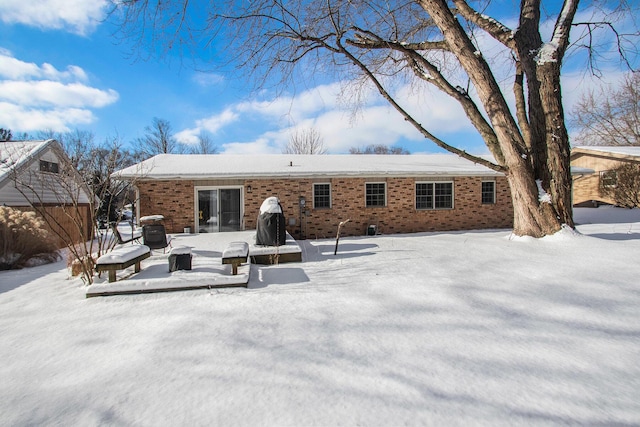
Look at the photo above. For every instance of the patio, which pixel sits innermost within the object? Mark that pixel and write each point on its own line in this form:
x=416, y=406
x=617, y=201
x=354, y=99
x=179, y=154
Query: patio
x=207, y=270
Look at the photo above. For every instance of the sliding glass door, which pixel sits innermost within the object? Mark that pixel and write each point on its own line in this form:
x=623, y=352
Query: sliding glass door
x=229, y=209
x=218, y=209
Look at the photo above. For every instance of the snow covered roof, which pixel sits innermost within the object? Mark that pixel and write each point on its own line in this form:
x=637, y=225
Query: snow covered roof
x=633, y=151
x=226, y=166
x=577, y=170
x=13, y=154
x=18, y=157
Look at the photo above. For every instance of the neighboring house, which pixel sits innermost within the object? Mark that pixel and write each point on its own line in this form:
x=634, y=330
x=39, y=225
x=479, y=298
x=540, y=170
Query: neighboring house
x=39, y=174
x=393, y=193
x=597, y=164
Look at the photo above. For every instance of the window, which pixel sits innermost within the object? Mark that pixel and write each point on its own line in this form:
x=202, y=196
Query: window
x=46, y=166
x=608, y=179
x=488, y=192
x=434, y=195
x=375, y=194
x=424, y=196
x=321, y=196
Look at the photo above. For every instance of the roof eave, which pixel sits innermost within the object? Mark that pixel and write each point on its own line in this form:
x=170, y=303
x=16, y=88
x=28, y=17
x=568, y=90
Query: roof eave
x=187, y=177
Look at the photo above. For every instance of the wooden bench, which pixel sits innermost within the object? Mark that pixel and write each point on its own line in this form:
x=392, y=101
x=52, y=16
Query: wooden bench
x=235, y=254
x=121, y=258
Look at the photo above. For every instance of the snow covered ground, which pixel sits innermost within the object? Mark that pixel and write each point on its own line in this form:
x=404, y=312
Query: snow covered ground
x=467, y=328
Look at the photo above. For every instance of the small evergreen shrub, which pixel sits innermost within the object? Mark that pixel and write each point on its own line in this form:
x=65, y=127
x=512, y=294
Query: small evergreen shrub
x=24, y=240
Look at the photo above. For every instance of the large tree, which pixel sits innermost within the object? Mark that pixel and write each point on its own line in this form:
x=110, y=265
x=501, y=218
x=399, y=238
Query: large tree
x=448, y=45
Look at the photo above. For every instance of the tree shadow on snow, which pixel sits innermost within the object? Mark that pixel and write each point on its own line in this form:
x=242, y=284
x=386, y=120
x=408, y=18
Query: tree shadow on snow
x=616, y=236
x=273, y=275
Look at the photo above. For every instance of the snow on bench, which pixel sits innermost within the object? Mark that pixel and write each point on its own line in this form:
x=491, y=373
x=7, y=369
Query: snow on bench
x=121, y=258
x=235, y=254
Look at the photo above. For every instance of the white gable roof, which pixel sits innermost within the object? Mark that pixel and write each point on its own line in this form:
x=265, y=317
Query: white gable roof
x=14, y=154
x=225, y=166
x=19, y=160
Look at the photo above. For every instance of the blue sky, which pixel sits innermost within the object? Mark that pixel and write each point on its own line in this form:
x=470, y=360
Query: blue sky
x=62, y=69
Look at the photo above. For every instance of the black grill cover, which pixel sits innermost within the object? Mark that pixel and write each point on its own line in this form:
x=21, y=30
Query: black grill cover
x=271, y=228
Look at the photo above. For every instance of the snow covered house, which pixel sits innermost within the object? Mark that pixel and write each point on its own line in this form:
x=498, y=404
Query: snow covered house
x=39, y=174
x=598, y=163
x=378, y=193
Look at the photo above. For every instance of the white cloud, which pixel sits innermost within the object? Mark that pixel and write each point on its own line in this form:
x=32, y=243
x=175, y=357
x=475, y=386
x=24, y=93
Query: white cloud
x=76, y=16
x=18, y=118
x=211, y=124
x=15, y=69
x=295, y=108
x=42, y=97
x=188, y=136
x=214, y=123
x=48, y=93
x=325, y=109
x=259, y=146
x=208, y=79
x=374, y=121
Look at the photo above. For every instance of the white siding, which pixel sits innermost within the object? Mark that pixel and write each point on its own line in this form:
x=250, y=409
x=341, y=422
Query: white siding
x=48, y=187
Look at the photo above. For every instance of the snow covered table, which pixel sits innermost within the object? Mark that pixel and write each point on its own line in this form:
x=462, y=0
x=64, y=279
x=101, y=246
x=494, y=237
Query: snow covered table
x=235, y=254
x=121, y=258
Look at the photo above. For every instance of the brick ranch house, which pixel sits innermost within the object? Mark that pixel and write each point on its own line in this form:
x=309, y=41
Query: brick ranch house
x=394, y=193
x=597, y=164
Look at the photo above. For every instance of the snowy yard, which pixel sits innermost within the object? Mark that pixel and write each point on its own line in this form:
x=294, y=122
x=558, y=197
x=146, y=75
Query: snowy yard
x=468, y=328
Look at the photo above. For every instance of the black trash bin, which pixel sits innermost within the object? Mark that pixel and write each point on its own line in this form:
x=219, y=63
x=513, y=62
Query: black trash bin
x=180, y=259
x=271, y=228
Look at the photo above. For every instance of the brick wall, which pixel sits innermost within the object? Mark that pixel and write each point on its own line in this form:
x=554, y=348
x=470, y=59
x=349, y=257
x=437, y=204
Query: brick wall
x=175, y=200
x=399, y=216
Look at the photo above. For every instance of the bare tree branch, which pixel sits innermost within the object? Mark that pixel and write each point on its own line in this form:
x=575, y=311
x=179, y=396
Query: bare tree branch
x=305, y=141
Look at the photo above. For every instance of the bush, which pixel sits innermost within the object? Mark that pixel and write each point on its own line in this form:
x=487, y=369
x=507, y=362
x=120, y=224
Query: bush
x=24, y=240
x=623, y=185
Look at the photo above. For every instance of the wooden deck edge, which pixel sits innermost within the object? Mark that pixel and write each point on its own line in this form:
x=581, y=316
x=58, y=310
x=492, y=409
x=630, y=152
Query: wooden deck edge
x=158, y=290
x=282, y=258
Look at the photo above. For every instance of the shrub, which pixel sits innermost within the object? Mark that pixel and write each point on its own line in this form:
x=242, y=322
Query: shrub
x=24, y=240
x=623, y=185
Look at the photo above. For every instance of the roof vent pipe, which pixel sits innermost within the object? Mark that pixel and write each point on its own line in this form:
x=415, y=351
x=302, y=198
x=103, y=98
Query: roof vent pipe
x=290, y=163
